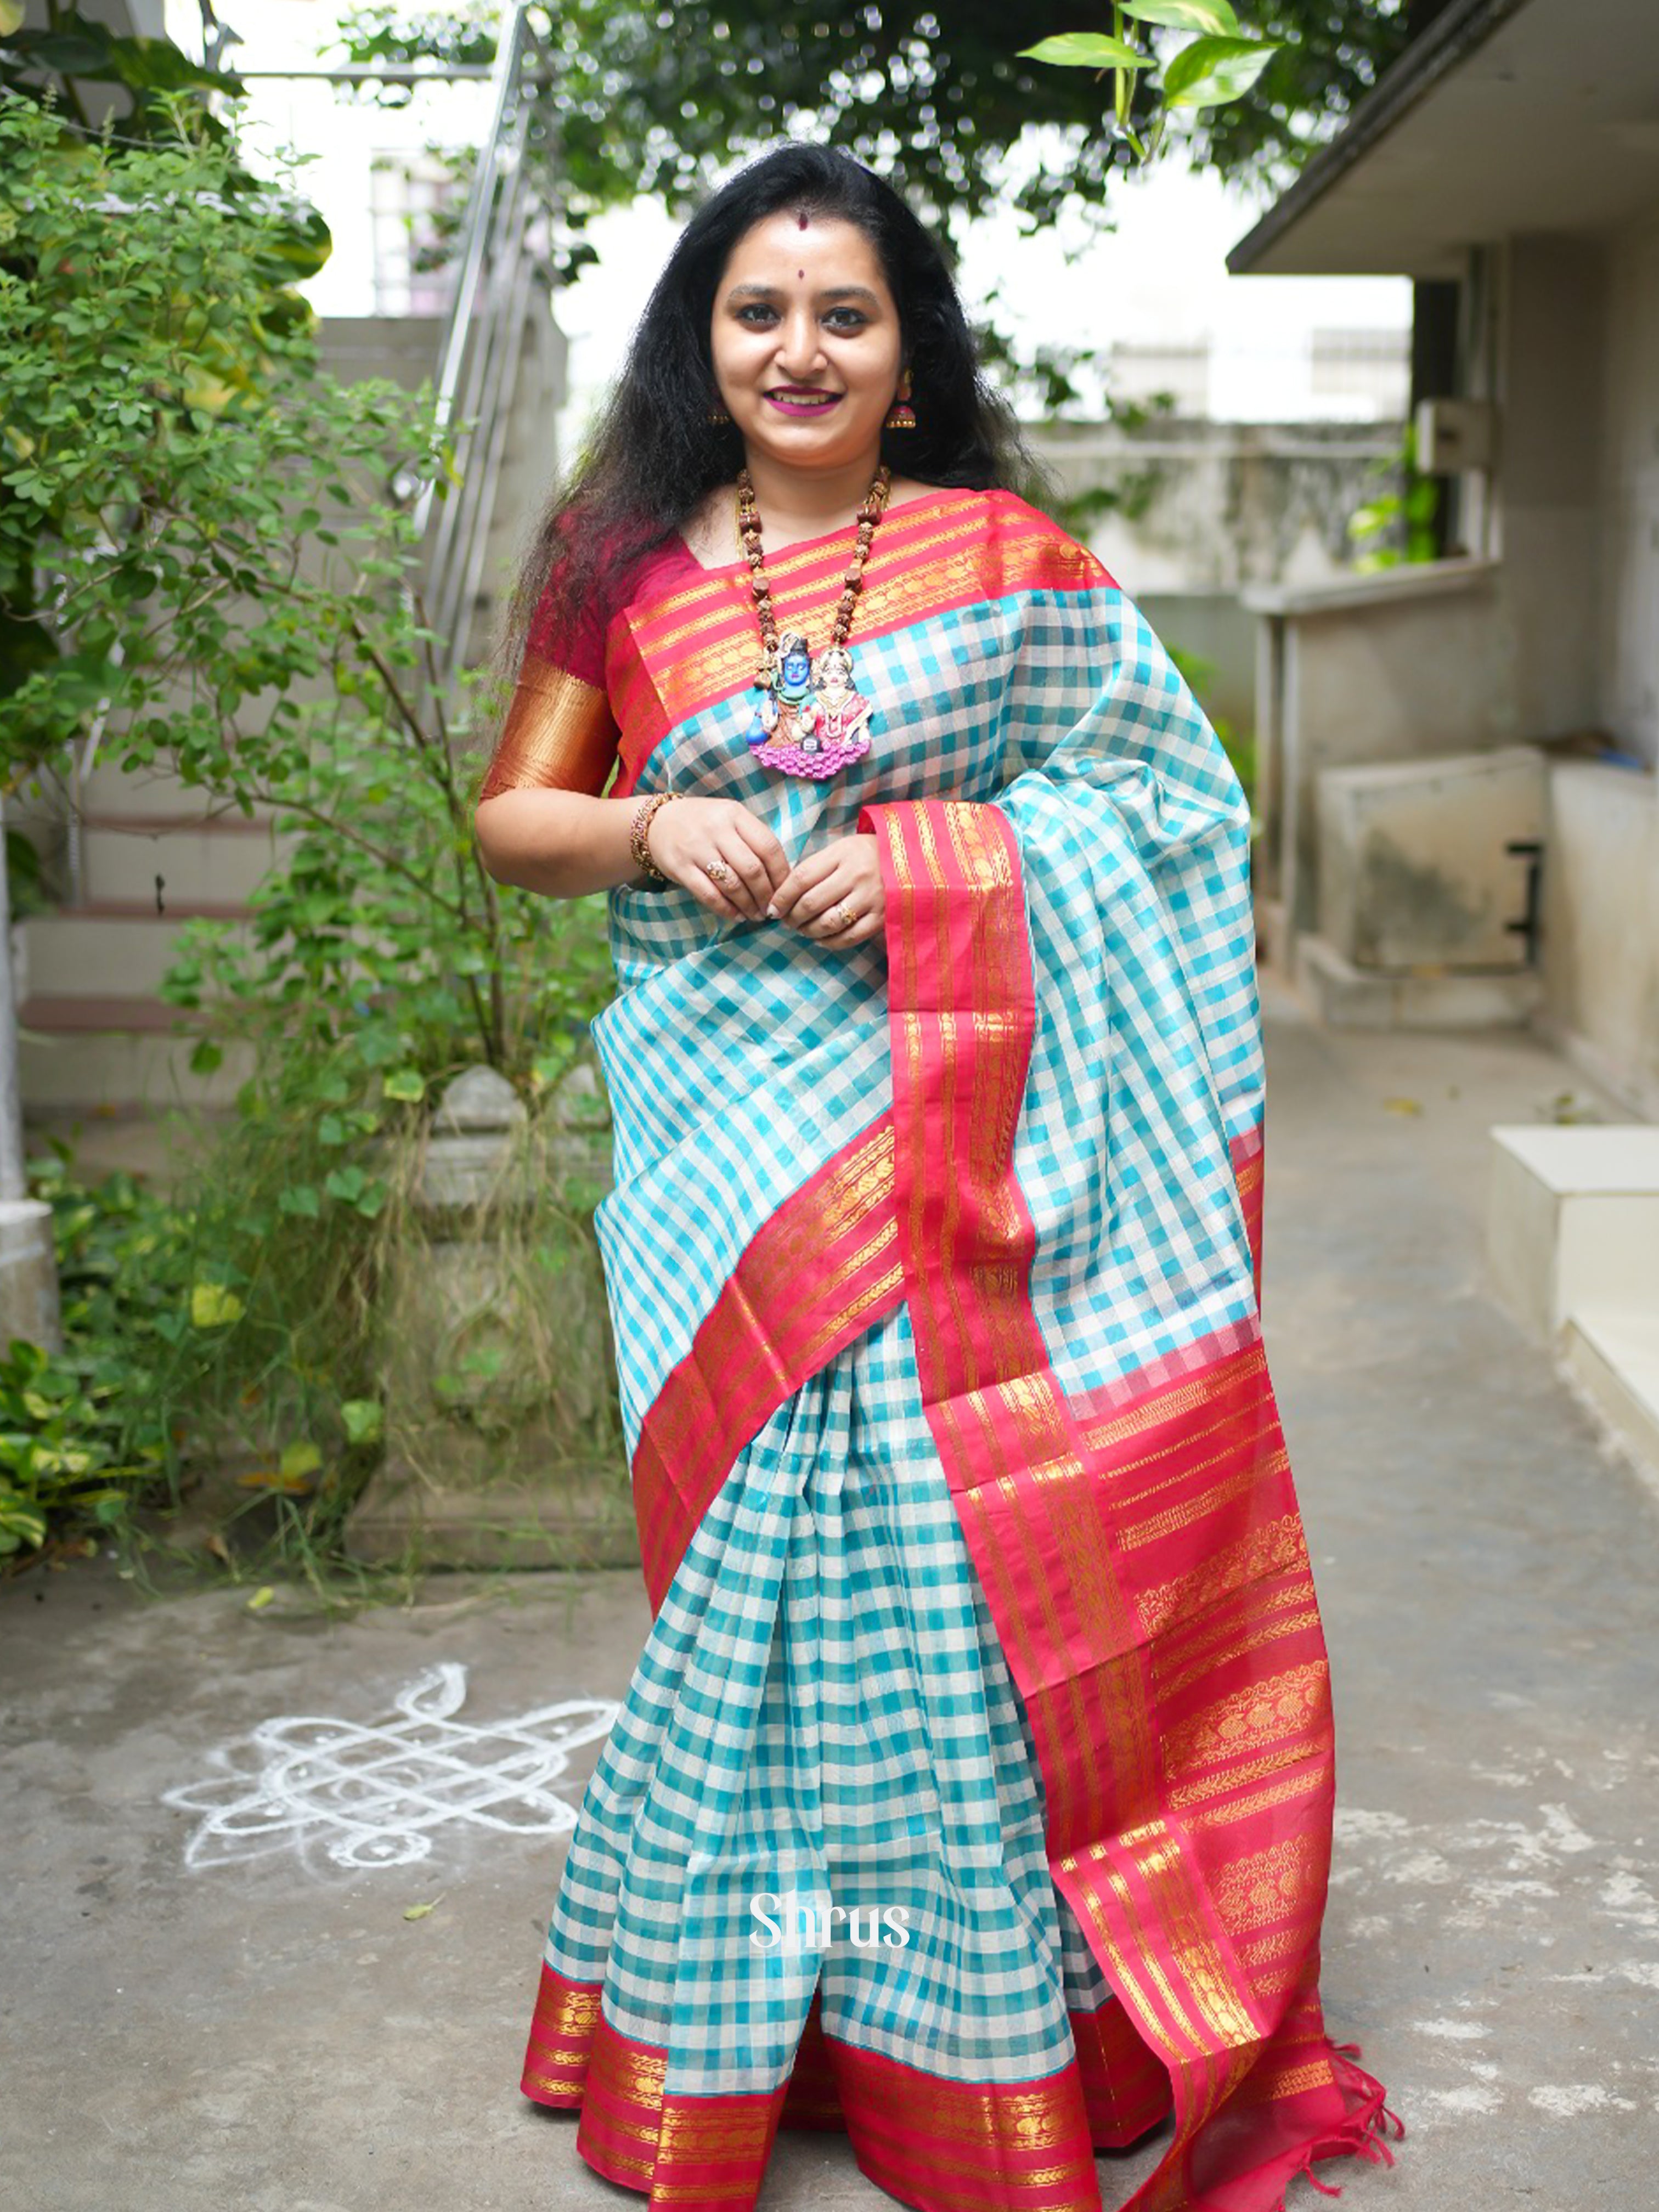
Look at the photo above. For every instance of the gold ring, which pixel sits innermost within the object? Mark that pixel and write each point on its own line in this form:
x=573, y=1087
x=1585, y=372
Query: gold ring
x=717, y=872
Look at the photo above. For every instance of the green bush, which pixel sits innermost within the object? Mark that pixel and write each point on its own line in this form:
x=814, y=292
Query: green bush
x=207, y=549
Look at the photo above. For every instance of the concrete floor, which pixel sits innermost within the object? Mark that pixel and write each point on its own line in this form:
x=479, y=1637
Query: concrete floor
x=203, y=2009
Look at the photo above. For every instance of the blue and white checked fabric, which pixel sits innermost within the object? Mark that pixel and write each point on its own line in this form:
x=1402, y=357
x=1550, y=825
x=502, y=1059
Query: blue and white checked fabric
x=740, y=1057
x=822, y=1707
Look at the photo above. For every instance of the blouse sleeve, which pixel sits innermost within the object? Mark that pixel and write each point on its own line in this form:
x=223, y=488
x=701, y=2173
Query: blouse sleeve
x=560, y=732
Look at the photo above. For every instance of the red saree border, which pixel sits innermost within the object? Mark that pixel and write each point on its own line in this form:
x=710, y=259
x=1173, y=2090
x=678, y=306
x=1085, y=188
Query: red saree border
x=689, y=645
x=942, y=2145
x=1188, y=1765
x=819, y=1272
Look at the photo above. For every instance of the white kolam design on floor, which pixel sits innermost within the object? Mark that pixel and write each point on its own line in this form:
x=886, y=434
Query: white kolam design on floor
x=374, y=1794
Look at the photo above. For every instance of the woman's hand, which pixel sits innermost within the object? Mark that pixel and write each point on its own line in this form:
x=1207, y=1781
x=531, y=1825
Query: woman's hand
x=716, y=849
x=834, y=893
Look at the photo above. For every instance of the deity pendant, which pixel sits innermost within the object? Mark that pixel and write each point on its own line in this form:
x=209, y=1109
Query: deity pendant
x=808, y=723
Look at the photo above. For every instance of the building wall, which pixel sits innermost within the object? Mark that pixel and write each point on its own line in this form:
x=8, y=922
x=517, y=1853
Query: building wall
x=1221, y=506
x=1626, y=629
x=1546, y=525
x=1575, y=518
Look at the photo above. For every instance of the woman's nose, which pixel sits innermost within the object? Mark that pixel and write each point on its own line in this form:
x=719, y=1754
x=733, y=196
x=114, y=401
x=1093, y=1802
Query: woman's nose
x=799, y=351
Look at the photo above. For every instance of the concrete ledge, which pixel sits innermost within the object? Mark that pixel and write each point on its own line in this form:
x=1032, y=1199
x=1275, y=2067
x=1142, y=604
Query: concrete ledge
x=1376, y=587
x=583, y=1518
x=1572, y=1221
x=1349, y=997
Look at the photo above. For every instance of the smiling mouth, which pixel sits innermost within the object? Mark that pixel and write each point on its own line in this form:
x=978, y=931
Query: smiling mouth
x=802, y=402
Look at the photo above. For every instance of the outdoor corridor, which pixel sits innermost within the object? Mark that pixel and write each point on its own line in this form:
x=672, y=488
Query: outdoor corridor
x=205, y=2009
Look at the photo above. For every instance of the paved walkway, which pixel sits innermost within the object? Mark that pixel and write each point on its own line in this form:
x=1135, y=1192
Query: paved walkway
x=203, y=2009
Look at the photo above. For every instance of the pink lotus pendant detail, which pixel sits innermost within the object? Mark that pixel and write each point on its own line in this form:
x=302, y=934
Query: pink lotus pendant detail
x=809, y=722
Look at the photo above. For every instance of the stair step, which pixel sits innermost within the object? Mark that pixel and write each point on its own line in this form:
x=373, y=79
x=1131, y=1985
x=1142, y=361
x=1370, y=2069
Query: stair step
x=1613, y=1351
x=112, y=948
x=230, y=823
x=123, y=1072
x=199, y=863
x=116, y=909
x=61, y=1013
x=1573, y=1220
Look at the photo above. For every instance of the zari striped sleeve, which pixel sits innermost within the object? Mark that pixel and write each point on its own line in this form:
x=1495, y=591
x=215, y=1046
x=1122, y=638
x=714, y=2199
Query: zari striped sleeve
x=560, y=732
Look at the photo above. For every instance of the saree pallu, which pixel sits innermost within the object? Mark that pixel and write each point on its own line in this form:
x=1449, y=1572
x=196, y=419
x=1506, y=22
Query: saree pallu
x=974, y=1791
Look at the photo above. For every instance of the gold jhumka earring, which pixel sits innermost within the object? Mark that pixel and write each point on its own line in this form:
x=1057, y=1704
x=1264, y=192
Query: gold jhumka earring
x=901, y=415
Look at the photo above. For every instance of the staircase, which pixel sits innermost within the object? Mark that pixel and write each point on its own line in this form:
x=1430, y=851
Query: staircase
x=138, y=855
x=95, y=1035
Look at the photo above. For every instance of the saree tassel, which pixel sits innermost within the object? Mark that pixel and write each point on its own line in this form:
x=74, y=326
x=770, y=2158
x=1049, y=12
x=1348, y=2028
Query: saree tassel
x=1374, y=2111
x=1363, y=2135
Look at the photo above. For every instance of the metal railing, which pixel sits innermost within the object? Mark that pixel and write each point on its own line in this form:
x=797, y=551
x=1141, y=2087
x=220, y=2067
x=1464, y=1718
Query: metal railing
x=482, y=336
x=479, y=354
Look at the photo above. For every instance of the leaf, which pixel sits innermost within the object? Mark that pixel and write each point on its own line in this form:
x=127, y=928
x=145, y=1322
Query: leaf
x=420, y=1911
x=1213, y=15
x=300, y=1458
x=404, y=1083
x=213, y=1306
x=1212, y=71
x=1085, y=49
x=11, y=16
x=272, y=1478
x=364, y=1420
x=86, y=55
x=261, y=1598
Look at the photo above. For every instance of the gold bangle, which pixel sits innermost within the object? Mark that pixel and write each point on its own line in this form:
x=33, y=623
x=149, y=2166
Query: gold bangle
x=643, y=816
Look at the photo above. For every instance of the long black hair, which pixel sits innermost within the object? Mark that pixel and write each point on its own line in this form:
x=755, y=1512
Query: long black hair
x=653, y=455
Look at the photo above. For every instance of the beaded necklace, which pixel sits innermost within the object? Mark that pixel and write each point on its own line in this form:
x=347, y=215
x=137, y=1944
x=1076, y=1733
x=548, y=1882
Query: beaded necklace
x=809, y=720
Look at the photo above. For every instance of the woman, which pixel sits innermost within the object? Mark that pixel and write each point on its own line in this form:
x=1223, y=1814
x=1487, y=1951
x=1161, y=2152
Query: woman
x=974, y=1791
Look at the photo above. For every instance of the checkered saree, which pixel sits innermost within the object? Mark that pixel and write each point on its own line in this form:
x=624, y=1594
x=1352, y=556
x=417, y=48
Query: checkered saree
x=987, y=1674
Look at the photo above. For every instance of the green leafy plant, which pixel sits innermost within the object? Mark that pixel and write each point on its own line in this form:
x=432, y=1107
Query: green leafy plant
x=73, y=50
x=137, y=348
x=83, y=1437
x=224, y=567
x=1220, y=64
x=1397, y=524
x=210, y=540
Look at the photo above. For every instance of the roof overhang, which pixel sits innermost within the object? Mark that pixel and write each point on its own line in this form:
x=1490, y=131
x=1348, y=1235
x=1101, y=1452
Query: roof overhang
x=1505, y=116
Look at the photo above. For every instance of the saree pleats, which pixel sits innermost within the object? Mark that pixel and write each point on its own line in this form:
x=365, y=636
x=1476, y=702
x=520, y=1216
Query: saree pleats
x=822, y=1719
x=973, y=1792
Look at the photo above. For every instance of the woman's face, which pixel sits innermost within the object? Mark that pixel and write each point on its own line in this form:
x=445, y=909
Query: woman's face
x=807, y=308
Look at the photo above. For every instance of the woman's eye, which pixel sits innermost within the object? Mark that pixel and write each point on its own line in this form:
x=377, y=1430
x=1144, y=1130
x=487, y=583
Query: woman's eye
x=854, y=319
